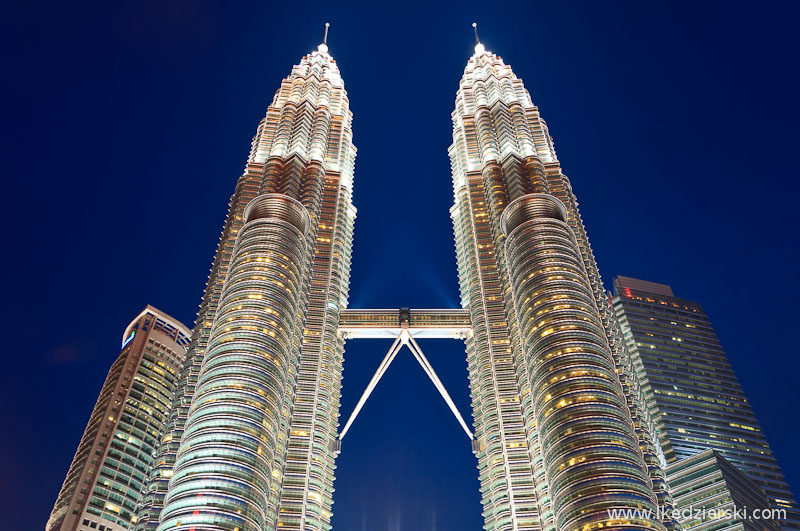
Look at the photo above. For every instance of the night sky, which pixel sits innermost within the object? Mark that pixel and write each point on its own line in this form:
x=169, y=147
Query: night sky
x=126, y=125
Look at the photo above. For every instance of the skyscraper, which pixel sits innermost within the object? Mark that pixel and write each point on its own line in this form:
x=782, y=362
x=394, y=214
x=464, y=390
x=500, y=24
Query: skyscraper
x=115, y=454
x=690, y=388
x=250, y=439
x=562, y=434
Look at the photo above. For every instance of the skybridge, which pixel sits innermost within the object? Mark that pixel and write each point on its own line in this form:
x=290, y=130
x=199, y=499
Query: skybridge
x=405, y=326
x=420, y=324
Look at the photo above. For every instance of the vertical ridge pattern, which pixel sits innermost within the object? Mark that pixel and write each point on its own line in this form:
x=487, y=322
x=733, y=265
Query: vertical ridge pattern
x=230, y=458
x=501, y=151
x=303, y=150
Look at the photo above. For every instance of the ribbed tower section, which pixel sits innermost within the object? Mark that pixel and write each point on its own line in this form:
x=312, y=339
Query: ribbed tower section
x=249, y=439
x=561, y=433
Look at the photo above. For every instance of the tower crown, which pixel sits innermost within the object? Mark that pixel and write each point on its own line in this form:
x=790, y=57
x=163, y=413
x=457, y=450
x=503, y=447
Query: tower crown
x=310, y=117
x=494, y=118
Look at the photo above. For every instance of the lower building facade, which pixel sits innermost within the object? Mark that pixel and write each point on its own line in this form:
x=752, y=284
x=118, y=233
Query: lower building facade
x=710, y=494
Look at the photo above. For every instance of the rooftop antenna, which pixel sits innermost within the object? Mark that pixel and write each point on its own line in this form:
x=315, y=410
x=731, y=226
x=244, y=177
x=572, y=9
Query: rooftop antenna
x=479, y=48
x=323, y=48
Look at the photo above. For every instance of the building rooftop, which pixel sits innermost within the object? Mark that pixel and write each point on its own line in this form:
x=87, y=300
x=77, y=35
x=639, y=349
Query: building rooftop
x=620, y=283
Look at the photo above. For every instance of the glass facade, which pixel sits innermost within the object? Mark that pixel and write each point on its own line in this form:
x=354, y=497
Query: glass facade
x=230, y=462
x=707, y=485
x=250, y=439
x=691, y=390
x=115, y=456
x=562, y=432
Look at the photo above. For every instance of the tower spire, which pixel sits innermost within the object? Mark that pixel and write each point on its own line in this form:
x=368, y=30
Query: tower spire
x=323, y=48
x=479, y=48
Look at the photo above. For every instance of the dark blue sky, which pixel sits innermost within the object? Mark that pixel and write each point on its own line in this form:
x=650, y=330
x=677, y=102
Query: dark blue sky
x=126, y=125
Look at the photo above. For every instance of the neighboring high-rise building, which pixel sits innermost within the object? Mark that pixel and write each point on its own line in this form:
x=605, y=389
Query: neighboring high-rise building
x=250, y=444
x=562, y=432
x=713, y=495
x=110, y=469
x=691, y=390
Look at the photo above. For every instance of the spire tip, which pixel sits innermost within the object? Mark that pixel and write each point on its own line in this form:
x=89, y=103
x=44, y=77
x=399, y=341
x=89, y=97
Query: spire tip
x=323, y=48
x=479, y=48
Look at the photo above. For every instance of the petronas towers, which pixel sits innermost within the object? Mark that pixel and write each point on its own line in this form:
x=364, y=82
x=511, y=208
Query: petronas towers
x=562, y=433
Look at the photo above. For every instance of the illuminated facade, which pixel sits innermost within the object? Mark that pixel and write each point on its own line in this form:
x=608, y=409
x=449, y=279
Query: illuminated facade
x=706, y=484
x=691, y=390
x=561, y=431
x=562, y=434
x=115, y=455
x=250, y=442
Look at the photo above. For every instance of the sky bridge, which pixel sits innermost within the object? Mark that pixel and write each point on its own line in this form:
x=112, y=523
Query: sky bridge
x=420, y=324
x=405, y=326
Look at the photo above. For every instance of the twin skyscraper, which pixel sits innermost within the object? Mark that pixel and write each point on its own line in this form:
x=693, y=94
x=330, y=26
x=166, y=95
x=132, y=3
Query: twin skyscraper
x=564, y=427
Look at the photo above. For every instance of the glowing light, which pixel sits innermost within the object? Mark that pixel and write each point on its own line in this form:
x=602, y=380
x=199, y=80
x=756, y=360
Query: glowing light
x=130, y=338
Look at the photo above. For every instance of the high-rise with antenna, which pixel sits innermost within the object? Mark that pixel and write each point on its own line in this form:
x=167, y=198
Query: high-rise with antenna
x=561, y=434
x=248, y=443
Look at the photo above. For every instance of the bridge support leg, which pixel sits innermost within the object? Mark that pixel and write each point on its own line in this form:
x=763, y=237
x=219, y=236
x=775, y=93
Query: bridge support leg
x=387, y=360
x=426, y=366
